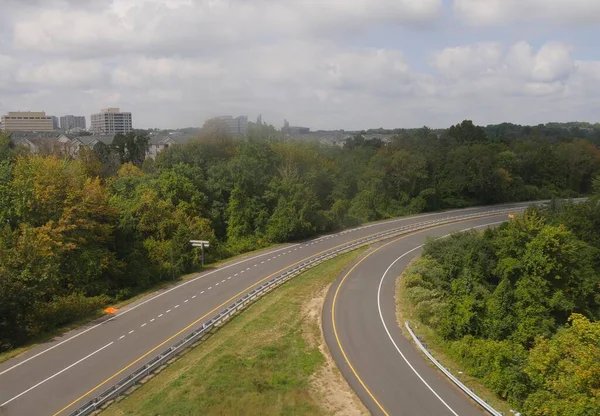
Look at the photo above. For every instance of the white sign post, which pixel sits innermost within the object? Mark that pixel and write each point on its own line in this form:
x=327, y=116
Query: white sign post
x=202, y=244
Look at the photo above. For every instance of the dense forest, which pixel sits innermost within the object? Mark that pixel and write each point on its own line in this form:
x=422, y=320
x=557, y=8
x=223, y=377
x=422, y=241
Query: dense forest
x=76, y=234
x=519, y=306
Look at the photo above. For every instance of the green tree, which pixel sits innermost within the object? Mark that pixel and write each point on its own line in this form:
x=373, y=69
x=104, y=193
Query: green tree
x=131, y=147
x=565, y=371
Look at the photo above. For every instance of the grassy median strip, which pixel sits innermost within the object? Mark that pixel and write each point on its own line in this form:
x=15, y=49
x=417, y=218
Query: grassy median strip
x=269, y=360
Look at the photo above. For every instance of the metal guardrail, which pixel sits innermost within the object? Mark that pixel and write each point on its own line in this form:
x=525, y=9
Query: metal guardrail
x=197, y=335
x=448, y=374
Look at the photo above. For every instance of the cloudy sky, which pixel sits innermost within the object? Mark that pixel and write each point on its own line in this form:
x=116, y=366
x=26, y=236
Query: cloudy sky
x=326, y=64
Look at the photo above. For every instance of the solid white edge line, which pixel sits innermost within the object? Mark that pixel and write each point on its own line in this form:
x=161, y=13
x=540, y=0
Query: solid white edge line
x=55, y=374
x=243, y=261
x=394, y=342
x=187, y=282
x=385, y=326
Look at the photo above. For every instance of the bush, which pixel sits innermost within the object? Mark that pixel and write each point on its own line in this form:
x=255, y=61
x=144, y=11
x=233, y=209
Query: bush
x=46, y=316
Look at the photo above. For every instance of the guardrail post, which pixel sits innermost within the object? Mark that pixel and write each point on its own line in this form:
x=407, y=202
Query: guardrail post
x=249, y=297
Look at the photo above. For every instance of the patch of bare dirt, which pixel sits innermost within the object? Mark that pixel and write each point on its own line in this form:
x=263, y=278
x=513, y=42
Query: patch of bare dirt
x=334, y=393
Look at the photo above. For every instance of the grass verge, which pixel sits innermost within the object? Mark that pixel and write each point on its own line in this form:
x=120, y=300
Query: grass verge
x=269, y=360
x=15, y=352
x=436, y=346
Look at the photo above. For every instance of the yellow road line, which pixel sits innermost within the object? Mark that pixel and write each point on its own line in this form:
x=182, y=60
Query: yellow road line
x=226, y=302
x=335, y=333
x=204, y=316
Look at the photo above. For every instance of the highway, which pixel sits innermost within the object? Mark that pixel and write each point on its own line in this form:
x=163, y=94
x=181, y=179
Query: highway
x=361, y=330
x=58, y=376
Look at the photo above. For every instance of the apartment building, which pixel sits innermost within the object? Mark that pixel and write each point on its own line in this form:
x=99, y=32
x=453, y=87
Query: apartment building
x=70, y=122
x=36, y=121
x=111, y=121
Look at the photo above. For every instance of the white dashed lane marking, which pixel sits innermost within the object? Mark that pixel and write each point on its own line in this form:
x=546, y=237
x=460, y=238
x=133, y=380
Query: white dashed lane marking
x=236, y=274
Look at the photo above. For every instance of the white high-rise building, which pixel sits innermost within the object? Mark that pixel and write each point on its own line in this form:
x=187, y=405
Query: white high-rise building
x=236, y=125
x=111, y=121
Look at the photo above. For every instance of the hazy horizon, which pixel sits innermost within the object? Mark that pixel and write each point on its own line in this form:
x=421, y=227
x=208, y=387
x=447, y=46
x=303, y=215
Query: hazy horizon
x=327, y=65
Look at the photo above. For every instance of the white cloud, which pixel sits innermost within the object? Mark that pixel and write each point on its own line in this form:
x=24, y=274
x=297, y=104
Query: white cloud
x=61, y=73
x=144, y=71
x=519, y=67
x=497, y=12
x=552, y=62
x=462, y=61
x=323, y=63
x=192, y=27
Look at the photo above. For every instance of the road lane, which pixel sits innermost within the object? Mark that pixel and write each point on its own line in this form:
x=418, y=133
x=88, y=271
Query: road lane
x=146, y=324
x=380, y=364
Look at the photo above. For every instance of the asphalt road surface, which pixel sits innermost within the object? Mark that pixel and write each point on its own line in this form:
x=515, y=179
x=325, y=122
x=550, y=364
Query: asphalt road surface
x=58, y=376
x=361, y=329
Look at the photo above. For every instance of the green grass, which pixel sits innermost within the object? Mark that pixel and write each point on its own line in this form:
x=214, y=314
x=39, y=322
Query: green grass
x=436, y=346
x=263, y=362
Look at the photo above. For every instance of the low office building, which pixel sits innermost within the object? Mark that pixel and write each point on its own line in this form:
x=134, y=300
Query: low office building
x=36, y=121
x=111, y=121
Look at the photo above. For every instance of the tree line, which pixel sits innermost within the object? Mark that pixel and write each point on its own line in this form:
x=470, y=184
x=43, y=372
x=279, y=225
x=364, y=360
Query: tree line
x=519, y=306
x=76, y=234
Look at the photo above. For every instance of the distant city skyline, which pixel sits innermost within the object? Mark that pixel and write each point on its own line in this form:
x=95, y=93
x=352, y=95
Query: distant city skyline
x=329, y=65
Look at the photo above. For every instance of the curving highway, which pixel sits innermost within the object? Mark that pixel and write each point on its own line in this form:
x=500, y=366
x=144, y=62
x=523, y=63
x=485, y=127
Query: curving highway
x=57, y=377
x=360, y=326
